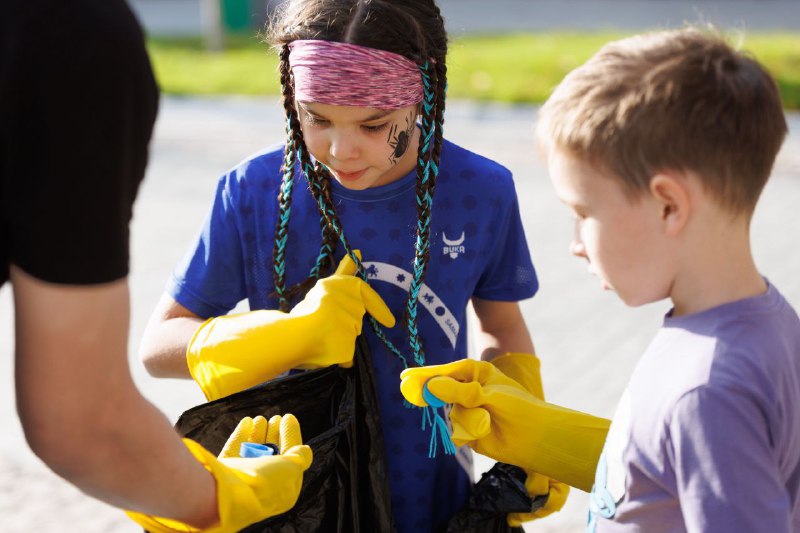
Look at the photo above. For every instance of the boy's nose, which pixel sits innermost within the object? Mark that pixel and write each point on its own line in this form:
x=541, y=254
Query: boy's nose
x=577, y=248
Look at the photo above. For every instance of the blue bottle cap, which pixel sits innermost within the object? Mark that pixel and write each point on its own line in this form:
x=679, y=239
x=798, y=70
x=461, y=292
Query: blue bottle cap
x=252, y=449
x=429, y=398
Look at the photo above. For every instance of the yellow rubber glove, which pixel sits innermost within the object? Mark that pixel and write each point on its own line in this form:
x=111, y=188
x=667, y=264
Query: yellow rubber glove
x=497, y=417
x=524, y=368
x=248, y=490
x=228, y=354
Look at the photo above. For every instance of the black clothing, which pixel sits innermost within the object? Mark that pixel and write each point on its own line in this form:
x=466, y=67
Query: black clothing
x=78, y=101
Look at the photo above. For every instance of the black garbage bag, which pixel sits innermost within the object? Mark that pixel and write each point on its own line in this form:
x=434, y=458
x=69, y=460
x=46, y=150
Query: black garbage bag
x=346, y=489
x=499, y=492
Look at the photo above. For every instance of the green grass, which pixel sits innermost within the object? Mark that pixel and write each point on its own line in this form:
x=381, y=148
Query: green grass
x=183, y=66
x=781, y=55
x=521, y=68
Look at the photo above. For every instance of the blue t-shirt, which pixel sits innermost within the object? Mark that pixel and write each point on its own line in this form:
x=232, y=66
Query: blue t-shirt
x=707, y=434
x=478, y=248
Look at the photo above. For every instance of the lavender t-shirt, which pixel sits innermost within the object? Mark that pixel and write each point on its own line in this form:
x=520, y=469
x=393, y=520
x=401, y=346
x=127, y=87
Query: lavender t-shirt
x=707, y=434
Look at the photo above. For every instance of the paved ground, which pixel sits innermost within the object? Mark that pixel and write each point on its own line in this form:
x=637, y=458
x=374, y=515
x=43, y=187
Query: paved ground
x=587, y=340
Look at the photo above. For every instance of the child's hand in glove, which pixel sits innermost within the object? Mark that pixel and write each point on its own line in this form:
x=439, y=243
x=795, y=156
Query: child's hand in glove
x=499, y=418
x=231, y=353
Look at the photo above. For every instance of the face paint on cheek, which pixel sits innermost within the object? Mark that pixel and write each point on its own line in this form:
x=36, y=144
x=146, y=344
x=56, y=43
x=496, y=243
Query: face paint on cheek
x=399, y=142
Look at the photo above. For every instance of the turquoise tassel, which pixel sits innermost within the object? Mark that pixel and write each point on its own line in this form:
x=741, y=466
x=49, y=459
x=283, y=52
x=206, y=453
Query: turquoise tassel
x=439, y=430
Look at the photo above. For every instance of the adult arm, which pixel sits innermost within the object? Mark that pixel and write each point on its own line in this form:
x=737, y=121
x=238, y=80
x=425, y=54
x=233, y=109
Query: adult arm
x=85, y=146
x=82, y=414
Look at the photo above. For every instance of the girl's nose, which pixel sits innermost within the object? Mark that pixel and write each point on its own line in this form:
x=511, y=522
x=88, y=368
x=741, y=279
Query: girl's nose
x=344, y=146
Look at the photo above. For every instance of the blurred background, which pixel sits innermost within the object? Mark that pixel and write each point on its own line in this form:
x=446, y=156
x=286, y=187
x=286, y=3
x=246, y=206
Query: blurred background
x=219, y=104
x=507, y=50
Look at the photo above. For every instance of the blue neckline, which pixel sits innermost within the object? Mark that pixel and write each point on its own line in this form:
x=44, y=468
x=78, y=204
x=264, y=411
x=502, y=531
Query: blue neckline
x=372, y=194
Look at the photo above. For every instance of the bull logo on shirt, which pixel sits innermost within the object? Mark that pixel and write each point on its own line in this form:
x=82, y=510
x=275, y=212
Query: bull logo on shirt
x=454, y=247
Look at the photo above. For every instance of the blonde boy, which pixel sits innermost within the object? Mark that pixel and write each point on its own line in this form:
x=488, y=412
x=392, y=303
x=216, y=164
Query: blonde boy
x=660, y=145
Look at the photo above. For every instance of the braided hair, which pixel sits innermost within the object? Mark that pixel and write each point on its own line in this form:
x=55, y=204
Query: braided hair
x=412, y=28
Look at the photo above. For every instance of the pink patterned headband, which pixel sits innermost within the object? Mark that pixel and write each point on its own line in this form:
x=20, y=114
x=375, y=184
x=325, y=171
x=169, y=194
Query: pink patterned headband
x=346, y=74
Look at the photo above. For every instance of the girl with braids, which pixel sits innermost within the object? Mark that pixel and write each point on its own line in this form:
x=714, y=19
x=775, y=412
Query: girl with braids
x=364, y=166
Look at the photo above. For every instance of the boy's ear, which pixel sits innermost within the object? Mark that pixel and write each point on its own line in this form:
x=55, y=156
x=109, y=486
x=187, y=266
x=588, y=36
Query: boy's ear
x=672, y=197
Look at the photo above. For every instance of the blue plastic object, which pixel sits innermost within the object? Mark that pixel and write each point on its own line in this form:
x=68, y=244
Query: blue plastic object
x=252, y=449
x=429, y=398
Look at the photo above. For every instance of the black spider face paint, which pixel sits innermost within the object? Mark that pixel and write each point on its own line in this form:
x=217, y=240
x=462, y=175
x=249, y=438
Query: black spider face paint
x=400, y=141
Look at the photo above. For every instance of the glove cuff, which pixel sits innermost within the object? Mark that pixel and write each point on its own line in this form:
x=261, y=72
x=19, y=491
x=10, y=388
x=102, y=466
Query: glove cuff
x=237, y=498
x=228, y=354
x=156, y=524
x=548, y=496
x=237, y=495
x=524, y=368
x=202, y=372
